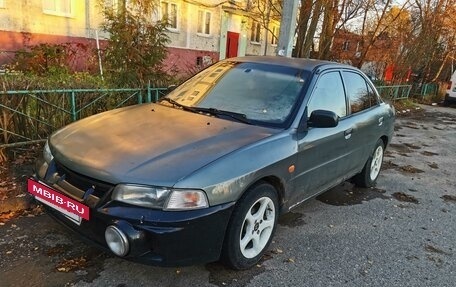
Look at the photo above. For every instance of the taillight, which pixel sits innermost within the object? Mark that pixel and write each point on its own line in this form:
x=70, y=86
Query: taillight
x=449, y=85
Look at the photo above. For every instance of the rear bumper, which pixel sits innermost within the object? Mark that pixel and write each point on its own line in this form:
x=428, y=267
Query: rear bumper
x=450, y=98
x=158, y=237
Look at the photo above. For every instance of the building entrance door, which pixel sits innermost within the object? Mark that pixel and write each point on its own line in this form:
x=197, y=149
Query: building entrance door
x=232, y=44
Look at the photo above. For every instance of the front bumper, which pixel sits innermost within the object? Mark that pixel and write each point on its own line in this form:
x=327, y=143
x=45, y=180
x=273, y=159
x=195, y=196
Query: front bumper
x=156, y=237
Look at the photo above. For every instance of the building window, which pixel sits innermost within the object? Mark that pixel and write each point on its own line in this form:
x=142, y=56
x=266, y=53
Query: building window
x=58, y=7
x=2, y=3
x=255, y=32
x=169, y=14
x=274, y=35
x=112, y=5
x=115, y=6
x=204, y=22
x=346, y=46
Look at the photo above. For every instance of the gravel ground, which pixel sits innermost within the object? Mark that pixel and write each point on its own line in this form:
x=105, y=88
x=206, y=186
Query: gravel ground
x=400, y=233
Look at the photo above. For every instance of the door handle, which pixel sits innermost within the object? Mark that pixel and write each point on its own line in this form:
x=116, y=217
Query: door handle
x=348, y=133
x=380, y=121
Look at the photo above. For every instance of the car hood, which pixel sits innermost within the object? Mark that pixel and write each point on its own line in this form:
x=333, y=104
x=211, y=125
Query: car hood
x=149, y=144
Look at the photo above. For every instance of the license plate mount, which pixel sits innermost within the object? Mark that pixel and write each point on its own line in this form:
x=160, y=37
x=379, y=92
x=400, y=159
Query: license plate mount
x=70, y=208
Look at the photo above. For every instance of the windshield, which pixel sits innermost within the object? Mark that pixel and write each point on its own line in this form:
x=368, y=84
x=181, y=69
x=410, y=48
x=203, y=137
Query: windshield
x=260, y=92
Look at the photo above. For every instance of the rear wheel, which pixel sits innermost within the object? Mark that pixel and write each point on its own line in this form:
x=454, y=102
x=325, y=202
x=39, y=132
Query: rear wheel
x=251, y=227
x=368, y=176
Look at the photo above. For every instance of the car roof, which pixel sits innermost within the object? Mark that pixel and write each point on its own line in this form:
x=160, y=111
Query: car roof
x=300, y=63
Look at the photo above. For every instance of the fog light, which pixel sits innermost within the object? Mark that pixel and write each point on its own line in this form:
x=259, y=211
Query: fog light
x=117, y=241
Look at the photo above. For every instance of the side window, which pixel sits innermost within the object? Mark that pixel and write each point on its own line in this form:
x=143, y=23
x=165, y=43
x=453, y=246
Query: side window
x=328, y=95
x=373, y=96
x=360, y=95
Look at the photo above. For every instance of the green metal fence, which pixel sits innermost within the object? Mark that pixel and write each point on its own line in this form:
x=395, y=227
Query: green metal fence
x=395, y=92
x=30, y=116
x=429, y=90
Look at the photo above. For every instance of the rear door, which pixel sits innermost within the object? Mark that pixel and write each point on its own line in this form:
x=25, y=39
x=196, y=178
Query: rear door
x=365, y=116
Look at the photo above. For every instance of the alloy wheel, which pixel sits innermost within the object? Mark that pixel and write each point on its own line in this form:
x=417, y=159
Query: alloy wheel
x=257, y=227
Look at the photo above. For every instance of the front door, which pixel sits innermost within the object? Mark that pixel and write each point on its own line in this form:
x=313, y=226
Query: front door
x=324, y=153
x=232, y=44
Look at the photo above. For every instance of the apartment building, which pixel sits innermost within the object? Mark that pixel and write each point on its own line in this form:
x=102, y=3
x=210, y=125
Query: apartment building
x=201, y=31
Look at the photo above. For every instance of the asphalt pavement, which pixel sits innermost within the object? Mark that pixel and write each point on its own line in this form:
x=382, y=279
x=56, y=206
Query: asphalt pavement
x=400, y=233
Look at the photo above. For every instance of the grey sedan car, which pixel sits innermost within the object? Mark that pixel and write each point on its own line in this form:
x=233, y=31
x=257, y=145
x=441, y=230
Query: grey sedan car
x=204, y=174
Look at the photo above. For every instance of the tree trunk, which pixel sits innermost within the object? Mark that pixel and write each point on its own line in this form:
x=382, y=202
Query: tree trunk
x=304, y=15
x=311, y=31
x=330, y=19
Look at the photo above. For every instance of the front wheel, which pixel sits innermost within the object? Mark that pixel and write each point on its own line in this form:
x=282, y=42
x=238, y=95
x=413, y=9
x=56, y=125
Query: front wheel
x=251, y=227
x=368, y=176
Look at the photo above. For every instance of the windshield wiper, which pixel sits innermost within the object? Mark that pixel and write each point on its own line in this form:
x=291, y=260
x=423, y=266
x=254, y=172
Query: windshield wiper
x=211, y=111
x=179, y=105
x=215, y=112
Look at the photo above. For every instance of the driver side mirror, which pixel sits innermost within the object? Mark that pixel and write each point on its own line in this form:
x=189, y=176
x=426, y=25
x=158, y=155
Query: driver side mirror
x=323, y=119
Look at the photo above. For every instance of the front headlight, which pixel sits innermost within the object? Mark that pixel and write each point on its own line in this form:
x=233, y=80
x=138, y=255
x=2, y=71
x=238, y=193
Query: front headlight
x=47, y=155
x=160, y=197
x=140, y=195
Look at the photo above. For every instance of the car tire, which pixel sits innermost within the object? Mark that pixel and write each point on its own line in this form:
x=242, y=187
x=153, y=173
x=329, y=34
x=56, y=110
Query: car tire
x=368, y=176
x=251, y=228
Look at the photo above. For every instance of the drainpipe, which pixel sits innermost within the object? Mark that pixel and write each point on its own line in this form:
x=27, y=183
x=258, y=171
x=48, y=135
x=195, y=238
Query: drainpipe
x=266, y=23
x=223, y=35
x=87, y=16
x=99, y=54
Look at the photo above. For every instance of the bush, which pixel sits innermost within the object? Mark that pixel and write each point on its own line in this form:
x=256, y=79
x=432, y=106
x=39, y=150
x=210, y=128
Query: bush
x=51, y=81
x=44, y=59
x=137, y=47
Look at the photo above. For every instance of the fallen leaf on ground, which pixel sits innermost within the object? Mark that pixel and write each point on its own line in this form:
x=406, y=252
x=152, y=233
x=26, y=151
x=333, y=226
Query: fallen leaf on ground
x=448, y=198
x=410, y=169
x=291, y=260
x=68, y=265
x=433, y=165
x=6, y=215
x=405, y=197
x=277, y=251
x=430, y=248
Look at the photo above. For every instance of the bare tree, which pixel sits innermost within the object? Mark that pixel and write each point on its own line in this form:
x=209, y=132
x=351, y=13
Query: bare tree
x=433, y=41
x=330, y=16
x=265, y=12
x=380, y=21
